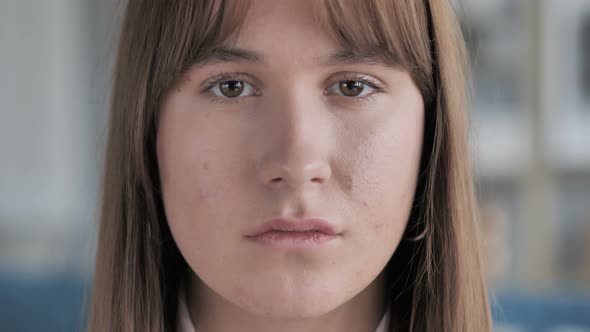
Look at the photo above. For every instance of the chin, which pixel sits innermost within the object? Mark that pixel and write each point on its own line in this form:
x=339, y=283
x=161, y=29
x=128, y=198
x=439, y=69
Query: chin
x=294, y=303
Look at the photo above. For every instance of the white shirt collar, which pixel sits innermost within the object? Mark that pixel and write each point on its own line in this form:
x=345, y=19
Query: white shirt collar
x=184, y=323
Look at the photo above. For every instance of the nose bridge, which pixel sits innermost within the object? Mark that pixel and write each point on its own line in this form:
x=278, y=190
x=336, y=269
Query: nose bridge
x=297, y=153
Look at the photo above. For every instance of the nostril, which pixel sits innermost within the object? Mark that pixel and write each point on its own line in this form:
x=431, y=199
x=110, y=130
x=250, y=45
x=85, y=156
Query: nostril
x=317, y=180
x=277, y=180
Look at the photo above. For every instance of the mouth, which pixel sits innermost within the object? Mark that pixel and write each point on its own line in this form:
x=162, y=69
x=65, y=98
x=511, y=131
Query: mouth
x=294, y=234
x=292, y=225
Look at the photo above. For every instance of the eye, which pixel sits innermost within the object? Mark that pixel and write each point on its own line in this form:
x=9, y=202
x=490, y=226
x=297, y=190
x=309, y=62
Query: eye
x=232, y=89
x=351, y=88
x=354, y=87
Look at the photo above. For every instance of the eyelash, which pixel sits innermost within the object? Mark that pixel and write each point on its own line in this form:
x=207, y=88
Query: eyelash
x=217, y=79
x=372, y=83
x=224, y=77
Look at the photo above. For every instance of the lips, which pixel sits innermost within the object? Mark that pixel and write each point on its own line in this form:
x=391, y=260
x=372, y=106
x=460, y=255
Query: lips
x=317, y=225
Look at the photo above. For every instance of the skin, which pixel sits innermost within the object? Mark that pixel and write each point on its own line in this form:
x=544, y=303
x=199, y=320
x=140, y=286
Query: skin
x=292, y=145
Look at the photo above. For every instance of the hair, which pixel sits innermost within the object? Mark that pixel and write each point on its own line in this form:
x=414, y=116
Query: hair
x=434, y=278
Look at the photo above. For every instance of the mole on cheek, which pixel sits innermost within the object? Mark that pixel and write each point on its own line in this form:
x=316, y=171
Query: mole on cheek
x=205, y=165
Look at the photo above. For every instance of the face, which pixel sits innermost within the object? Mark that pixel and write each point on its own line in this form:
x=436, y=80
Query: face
x=285, y=130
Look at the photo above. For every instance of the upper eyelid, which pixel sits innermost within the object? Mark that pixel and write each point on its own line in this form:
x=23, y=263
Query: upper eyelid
x=228, y=76
x=330, y=81
x=357, y=76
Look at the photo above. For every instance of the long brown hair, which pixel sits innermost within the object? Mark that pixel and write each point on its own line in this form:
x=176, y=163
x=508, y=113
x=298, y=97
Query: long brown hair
x=435, y=279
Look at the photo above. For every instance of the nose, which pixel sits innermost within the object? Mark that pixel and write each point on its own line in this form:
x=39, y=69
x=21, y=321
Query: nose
x=297, y=145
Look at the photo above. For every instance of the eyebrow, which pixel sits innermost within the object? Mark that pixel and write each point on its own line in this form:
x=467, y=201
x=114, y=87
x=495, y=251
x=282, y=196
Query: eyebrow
x=371, y=58
x=225, y=54
x=345, y=57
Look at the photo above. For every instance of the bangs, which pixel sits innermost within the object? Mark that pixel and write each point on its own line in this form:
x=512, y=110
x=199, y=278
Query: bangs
x=188, y=30
x=395, y=31
x=220, y=19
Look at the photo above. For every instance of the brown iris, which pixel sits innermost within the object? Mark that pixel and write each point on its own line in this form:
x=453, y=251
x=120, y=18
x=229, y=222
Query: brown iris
x=232, y=89
x=351, y=88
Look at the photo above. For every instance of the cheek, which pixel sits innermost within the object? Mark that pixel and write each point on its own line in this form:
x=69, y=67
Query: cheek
x=382, y=177
x=185, y=170
x=194, y=163
x=195, y=157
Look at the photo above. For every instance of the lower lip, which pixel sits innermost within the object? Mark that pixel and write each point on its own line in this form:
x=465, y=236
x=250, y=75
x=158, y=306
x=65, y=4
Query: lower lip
x=293, y=240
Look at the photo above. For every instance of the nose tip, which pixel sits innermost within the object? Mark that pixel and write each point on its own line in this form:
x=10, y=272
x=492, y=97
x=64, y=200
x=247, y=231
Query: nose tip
x=295, y=177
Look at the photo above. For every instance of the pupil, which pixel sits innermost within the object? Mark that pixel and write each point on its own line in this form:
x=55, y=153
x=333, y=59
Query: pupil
x=351, y=88
x=232, y=89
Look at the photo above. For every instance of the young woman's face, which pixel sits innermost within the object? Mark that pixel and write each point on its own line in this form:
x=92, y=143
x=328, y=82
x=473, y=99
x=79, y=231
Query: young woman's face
x=288, y=128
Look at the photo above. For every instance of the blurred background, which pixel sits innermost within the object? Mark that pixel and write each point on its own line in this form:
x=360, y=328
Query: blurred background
x=530, y=140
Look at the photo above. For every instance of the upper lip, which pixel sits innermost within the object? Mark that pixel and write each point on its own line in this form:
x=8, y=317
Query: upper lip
x=295, y=225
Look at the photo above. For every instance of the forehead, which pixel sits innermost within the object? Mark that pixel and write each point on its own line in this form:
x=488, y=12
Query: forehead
x=283, y=28
x=286, y=34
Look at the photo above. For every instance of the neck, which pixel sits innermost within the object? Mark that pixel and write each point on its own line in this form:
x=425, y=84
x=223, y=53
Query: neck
x=210, y=313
